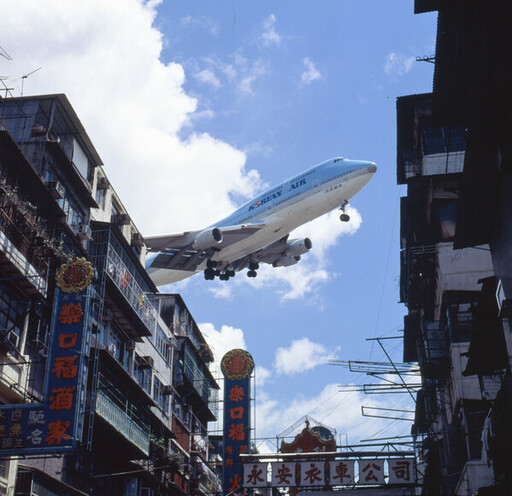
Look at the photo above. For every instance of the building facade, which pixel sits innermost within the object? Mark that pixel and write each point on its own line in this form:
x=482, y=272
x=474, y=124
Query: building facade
x=149, y=394
x=453, y=152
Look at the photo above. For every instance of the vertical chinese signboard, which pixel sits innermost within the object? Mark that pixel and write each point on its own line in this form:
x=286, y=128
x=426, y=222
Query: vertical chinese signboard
x=55, y=425
x=237, y=366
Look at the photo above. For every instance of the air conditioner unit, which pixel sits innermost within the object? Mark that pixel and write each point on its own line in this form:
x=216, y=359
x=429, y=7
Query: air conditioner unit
x=137, y=239
x=102, y=183
x=56, y=189
x=122, y=219
x=167, y=390
x=84, y=231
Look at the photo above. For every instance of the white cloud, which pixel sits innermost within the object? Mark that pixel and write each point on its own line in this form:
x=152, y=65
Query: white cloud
x=262, y=375
x=302, y=355
x=326, y=231
x=227, y=70
x=207, y=76
x=228, y=338
x=132, y=105
x=311, y=73
x=222, y=291
x=339, y=410
x=257, y=70
x=398, y=64
x=204, y=23
x=270, y=36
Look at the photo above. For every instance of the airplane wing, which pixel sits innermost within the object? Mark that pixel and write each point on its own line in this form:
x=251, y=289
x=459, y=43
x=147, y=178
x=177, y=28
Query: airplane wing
x=186, y=251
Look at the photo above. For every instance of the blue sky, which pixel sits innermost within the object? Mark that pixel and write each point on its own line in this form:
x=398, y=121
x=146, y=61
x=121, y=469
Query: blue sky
x=197, y=105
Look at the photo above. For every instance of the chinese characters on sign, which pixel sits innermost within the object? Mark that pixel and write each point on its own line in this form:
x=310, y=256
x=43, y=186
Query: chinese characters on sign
x=237, y=365
x=334, y=473
x=55, y=425
x=283, y=474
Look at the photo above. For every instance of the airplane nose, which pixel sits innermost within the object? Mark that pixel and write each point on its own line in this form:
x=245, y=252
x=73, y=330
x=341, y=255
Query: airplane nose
x=372, y=168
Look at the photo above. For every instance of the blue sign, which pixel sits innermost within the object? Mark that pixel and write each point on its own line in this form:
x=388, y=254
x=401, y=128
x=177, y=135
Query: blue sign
x=236, y=365
x=56, y=424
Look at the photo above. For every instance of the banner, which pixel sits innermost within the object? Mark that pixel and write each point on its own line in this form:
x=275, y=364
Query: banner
x=56, y=424
x=320, y=472
x=237, y=366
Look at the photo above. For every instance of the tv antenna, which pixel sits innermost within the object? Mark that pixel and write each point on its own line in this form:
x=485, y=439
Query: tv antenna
x=4, y=54
x=26, y=76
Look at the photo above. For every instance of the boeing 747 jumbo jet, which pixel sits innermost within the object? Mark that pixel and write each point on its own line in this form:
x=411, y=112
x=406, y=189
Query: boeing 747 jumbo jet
x=258, y=232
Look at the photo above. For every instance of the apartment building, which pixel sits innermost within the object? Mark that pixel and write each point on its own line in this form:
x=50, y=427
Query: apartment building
x=453, y=152
x=149, y=395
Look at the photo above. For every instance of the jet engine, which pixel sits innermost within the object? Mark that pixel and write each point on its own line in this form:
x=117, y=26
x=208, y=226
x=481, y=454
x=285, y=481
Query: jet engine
x=286, y=261
x=297, y=247
x=207, y=239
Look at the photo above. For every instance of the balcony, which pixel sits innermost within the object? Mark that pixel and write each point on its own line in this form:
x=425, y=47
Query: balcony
x=128, y=282
x=125, y=420
x=196, y=374
x=205, y=480
x=462, y=269
x=121, y=403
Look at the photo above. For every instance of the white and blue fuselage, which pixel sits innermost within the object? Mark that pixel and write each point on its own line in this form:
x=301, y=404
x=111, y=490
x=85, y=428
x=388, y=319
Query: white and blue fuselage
x=280, y=210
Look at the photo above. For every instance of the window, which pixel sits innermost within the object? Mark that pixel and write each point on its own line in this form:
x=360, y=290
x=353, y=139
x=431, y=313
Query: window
x=441, y=139
x=116, y=345
x=159, y=395
x=162, y=344
x=70, y=208
x=142, y=373
x=100, y=197
x=11, y=316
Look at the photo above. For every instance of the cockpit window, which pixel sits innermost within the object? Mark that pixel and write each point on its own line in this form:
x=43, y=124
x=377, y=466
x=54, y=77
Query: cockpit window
x=337, y=160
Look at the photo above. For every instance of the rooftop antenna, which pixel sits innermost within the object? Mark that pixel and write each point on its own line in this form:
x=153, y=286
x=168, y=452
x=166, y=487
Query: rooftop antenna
x=26, y=76
x=4, y=54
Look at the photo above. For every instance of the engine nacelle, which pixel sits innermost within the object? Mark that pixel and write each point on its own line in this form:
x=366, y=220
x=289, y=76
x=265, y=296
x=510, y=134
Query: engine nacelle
x=297, y=247
x=207, y=239
x=286, y=261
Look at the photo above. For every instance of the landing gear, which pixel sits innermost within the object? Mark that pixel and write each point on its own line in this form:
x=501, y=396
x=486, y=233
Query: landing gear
x=210, y=273
x=211, y=264
x=226, y=275
x=253, y=267
x=344, y=217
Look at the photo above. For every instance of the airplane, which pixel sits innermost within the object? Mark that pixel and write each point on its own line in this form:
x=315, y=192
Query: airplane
x=258, y=232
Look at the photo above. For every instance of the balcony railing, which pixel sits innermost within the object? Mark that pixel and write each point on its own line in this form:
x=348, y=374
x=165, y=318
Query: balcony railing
x=112, y=257
x=114, y=407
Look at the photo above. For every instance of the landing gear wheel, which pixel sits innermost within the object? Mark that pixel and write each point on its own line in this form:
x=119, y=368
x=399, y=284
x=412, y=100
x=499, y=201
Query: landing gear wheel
x=230, y=273
x=209, y=274
x=211, y=264
x=254, y=266
x=344, y=217
x=252, y=273
x=224, y=276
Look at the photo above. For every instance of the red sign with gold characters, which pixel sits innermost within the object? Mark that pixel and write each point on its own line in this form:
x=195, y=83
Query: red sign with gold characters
x=75, y=275
x=237, y=364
